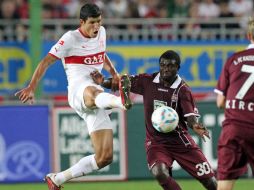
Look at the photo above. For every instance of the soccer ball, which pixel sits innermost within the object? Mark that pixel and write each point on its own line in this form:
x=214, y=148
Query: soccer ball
x=165, y=119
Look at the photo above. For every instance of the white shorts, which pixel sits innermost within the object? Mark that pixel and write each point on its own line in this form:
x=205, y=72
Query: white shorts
x=95, y=119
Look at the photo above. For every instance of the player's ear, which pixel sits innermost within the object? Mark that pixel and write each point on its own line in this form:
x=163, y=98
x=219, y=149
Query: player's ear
x=81, y=21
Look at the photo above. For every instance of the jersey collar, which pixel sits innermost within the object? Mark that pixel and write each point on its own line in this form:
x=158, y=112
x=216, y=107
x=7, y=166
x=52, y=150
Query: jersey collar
x=250, y=46
x=174, y=85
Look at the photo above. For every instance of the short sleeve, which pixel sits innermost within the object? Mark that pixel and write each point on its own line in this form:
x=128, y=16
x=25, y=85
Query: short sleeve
x=61, y=48
x=223, y=82
x=187, y=102
x=137, y=84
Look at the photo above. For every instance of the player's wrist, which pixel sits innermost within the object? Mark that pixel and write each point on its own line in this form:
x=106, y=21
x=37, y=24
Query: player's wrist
x=107, y=83
x=114, y=73
x=32, y=87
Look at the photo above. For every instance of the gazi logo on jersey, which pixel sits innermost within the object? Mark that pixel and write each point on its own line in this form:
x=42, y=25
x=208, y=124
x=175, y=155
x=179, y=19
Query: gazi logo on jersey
x=94, y=59
x=15, y=68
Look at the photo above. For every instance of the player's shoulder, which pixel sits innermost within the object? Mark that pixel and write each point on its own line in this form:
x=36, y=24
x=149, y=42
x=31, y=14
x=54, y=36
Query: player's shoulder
x=102, y=31
x=69, y=34
x=241, y=53
x=147, y=75
x=240, y=57
x=184, y=87
x=102, y=28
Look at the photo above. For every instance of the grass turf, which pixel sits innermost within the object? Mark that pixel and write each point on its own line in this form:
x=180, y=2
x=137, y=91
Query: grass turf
x=242, y=184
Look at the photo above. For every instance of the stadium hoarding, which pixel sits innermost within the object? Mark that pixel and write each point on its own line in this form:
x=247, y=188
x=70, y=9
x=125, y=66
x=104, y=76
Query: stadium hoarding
x=15, y=66
x=200, y=67
x=24, y=143
x=71, y=142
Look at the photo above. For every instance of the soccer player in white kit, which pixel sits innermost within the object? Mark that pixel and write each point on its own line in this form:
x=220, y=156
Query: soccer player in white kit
x=82, y=51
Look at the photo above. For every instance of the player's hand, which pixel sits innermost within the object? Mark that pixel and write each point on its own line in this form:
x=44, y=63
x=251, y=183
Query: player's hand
x=97, y=77
x=201, y=131
x=26, y=95
x=115, y=82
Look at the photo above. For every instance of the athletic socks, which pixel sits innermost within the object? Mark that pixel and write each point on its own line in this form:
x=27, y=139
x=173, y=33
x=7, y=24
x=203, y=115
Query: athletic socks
x=106, y=100
x=85, y=166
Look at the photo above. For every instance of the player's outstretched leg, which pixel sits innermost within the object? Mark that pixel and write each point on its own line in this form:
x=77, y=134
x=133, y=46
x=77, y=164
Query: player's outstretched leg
x=124, y=89
x=49, y=179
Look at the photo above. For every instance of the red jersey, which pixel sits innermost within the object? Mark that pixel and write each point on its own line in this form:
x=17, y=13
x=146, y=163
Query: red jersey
x=178, y=96
x=236, y=84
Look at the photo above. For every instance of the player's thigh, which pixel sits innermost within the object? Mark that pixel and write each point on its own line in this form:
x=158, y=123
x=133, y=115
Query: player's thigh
x=225, y=184
x=232, y=158
x=79, y=99
x=248, y=144
x=194, y=162
x=96, y=119
x=90, y=92
x=156, y=154
x=102, y=141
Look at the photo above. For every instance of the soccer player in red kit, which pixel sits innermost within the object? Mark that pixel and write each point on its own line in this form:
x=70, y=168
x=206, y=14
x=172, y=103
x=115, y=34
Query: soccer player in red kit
x=235, y=93
x=167, y=88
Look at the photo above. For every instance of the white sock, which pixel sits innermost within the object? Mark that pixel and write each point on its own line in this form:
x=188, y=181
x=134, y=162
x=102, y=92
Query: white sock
x=85, y=166
x=107, y=100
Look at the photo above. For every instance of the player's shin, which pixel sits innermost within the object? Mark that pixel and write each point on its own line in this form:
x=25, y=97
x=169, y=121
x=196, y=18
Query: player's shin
x=169, y=184
x=210, y=183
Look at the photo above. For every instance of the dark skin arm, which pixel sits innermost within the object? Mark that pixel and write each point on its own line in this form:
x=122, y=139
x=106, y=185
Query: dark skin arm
x=197, y=127
x=98, y=78
x=192, y=121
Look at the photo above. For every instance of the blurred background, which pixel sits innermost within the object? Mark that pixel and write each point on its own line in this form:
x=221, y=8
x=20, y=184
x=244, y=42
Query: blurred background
x=49, y=136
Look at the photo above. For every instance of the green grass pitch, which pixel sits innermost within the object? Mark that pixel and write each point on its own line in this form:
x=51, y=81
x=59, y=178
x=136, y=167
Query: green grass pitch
x=242, y=184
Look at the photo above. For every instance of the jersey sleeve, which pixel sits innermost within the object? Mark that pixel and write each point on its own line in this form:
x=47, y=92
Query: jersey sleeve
x=60, y=49
x=137, y=84
x=187, y=102
x=223, y=82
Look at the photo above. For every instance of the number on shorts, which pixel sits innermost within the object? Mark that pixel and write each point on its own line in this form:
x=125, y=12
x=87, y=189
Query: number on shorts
x=203, y=168
x=248, y=83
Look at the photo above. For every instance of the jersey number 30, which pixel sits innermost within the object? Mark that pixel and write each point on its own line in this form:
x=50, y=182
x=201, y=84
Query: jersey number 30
x=203, y=168
x=248, y=83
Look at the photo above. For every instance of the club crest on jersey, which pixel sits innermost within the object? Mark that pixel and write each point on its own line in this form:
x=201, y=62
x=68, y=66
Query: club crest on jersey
x=94, y=59
x=61, y=42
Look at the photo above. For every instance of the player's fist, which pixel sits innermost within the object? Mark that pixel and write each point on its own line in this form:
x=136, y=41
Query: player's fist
x=97, y=77
x=26, y=95
x=201, y=130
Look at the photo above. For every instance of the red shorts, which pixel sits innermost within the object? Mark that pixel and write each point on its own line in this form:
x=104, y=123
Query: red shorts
x=190, y=158
x=235, y=150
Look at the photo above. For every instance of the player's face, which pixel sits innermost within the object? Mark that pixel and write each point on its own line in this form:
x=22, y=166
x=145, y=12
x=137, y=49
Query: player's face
x=168, y=69
x=91, y=26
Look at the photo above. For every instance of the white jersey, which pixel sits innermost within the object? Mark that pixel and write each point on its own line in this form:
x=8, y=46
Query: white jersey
x=80, y=55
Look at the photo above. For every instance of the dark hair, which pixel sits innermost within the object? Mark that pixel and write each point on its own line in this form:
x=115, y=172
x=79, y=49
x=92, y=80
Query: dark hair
x=89, y=10
x=172, y=55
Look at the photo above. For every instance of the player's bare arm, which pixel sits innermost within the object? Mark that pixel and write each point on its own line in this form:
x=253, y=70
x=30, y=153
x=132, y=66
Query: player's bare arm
x=220, y=101
x=197, y=127
x=27, y=93
x=98, y=78
x=108, y=66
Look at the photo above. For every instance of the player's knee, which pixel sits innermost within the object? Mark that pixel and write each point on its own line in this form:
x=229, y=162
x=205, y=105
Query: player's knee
x=210, y=183
x=89, y=96
x=104, y=159
x=160, y=172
